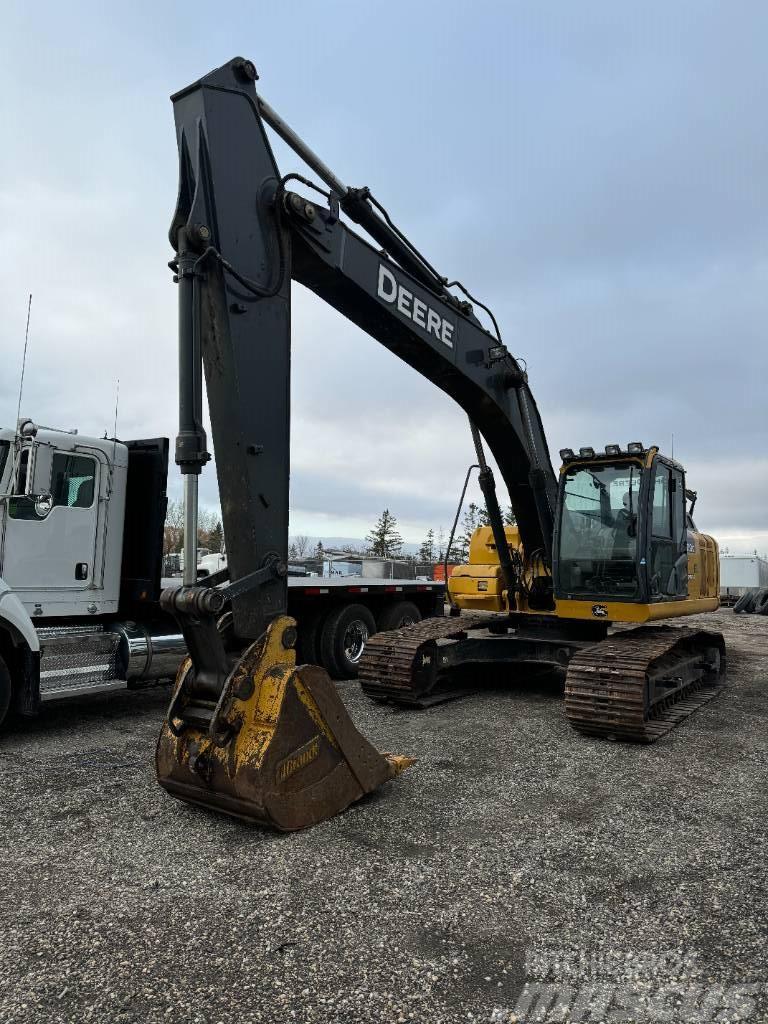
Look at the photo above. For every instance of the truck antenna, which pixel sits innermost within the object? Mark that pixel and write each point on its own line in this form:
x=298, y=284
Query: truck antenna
x=24, y=360
x=114, y=436
x=117, y=403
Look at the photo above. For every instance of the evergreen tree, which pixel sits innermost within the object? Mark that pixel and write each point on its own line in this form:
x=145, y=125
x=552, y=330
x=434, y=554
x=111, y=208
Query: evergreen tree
x=509, y=517
x=320, y=550
x=427, y=549
x=460, y=549
x=216, y=538
x=384, y=541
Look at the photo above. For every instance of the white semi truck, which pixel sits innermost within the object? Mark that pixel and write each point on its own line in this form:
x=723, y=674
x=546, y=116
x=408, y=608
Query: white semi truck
x=81, y=558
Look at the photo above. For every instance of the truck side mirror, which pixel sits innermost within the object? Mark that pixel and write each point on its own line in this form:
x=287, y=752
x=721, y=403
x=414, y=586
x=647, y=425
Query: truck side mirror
x=39, y=480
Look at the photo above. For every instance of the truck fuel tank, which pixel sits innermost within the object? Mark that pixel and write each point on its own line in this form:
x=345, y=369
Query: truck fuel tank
x=148, y=651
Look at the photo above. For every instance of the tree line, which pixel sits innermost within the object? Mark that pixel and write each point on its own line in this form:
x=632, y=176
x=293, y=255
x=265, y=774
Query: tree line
x=383, y=541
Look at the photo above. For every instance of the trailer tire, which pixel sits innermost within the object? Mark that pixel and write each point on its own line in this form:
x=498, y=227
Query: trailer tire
x=309, y=628
x=396, y=616
x=746, y=603
x=342, y=639
x=6, y=691
x=760, y=606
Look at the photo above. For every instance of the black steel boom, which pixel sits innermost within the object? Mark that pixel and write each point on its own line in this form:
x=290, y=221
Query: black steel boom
x=241, y=234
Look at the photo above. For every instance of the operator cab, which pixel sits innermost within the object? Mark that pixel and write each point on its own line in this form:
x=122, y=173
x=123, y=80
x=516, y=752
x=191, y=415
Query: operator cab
x=622, y=530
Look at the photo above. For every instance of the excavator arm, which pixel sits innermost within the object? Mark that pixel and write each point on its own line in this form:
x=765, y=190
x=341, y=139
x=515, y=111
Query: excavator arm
x=250, y=733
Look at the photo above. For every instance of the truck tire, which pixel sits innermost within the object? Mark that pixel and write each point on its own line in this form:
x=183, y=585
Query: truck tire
x=342, y=639
x=395, y=616
x=746, y=603
x=6, y=691
x=310, y=627
x=760, y=607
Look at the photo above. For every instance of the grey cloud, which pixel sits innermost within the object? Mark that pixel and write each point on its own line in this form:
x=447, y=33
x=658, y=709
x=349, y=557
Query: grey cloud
x=597, y=173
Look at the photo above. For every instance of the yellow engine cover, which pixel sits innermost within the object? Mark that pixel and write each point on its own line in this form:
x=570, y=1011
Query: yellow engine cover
x=703, y=566
x=478, y=585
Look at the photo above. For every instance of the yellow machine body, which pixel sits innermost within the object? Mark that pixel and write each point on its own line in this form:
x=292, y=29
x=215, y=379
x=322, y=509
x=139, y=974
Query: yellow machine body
x=478, y=585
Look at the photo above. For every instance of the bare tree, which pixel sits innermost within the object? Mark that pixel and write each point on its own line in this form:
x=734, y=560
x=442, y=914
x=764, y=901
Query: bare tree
x=207, y=522
x=301, y=543
x=173, y=535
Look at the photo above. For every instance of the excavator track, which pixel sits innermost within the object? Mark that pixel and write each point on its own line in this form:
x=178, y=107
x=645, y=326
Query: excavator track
x=400, y=666
x=639, y=684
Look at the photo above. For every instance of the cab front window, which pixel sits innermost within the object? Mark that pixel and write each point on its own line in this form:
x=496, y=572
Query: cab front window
x=598, y=531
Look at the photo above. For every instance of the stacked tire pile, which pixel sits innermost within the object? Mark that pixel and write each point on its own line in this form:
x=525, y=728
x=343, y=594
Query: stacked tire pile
x=754, y=602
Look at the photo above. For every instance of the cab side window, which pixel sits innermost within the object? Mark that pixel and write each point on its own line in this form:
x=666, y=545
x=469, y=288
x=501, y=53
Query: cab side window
x=668, y=574
x=73, y=480
x=662, y=517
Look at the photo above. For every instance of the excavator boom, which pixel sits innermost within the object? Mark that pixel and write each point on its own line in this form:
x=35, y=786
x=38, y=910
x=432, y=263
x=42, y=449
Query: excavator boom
x=241, y=235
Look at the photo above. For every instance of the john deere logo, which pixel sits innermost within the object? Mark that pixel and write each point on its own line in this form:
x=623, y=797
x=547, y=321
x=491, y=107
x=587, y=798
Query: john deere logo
x=599, y=611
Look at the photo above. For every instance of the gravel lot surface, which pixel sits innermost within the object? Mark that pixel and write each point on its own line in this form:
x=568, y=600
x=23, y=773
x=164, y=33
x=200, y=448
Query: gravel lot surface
x=514, y=852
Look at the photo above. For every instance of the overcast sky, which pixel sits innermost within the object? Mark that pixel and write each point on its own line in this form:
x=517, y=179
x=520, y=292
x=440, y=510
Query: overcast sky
x=596, y=172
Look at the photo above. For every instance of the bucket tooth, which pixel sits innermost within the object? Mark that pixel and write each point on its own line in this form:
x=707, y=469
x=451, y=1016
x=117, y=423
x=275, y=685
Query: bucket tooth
x=279, y=749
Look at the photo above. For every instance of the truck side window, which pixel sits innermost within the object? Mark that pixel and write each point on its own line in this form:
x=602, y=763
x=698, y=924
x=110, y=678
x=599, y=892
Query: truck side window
x=73, y=480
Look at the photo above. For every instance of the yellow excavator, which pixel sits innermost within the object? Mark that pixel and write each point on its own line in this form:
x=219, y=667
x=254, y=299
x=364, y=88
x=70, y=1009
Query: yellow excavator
x=626, y=551
x=249, y=731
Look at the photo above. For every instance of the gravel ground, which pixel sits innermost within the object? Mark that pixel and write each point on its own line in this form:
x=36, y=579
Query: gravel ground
x=514, y=854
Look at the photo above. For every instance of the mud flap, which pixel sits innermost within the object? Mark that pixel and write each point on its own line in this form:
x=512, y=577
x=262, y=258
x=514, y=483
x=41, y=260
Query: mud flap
x=279, y=748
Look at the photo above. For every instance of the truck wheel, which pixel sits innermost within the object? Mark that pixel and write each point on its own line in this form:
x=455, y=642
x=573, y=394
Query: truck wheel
x=396, y=616
x=760, y=606
x=310, y=627
x=6, y=691
x=343, y=639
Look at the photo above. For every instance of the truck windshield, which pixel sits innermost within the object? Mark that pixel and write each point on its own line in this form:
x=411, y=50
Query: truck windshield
x=598, y=531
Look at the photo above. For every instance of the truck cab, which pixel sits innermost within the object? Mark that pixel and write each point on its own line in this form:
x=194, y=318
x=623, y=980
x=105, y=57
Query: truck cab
x=62, y=507
x=81, y=533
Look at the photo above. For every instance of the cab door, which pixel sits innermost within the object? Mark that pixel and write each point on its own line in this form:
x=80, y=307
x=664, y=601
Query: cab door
x=50, y=544
x=668, y=547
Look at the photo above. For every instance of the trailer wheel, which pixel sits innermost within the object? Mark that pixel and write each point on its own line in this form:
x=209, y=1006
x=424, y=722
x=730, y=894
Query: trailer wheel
x=343, y=638
x=396, y=616
x=6, y=691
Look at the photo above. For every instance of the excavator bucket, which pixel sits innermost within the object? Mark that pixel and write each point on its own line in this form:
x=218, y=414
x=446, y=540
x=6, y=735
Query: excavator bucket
x=278, y=749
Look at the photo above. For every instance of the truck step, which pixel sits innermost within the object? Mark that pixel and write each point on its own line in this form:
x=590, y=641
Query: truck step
x=77, y=659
